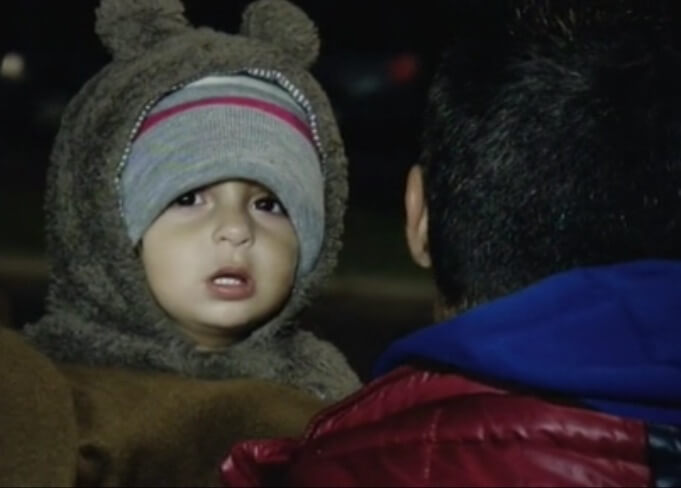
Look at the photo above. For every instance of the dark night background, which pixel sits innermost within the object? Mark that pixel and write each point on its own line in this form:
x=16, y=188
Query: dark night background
x=375, y=61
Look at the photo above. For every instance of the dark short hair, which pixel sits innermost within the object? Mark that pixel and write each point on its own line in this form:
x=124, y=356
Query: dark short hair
x=553, y=145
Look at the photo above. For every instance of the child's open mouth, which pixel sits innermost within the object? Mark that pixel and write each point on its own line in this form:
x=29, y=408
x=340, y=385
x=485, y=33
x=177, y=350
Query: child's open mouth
x=231, y=284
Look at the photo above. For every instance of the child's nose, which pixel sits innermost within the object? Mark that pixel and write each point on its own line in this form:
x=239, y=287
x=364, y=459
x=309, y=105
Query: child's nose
x=232, y=226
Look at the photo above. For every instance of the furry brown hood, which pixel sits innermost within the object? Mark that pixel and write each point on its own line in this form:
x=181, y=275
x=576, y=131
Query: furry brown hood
x=100, y=310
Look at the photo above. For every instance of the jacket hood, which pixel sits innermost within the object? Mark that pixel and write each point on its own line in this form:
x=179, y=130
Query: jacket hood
x=99, y=308
x=608, y=336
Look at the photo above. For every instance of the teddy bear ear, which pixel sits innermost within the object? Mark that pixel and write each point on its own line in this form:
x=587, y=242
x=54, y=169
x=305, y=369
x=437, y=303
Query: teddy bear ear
x=129, y=27
x=284, y=25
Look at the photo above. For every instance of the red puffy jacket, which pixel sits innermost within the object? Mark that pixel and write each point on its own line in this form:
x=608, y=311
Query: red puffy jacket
x=421, y=428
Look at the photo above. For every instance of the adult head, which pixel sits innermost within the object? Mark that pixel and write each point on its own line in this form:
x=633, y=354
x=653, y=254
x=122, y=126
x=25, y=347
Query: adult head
x=552, y=145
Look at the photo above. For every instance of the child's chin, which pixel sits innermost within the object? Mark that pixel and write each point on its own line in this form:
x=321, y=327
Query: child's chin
x=230, y=331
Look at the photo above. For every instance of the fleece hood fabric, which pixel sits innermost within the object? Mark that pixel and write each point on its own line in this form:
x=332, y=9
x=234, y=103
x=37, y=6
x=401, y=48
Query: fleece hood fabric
x=607, y=336
x=99, y=308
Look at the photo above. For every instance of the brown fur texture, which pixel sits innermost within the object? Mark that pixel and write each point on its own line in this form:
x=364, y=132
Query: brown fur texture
x=87, y=426
x=99, y=308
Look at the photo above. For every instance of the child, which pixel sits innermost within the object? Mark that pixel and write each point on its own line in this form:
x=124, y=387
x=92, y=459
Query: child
x=195, y=201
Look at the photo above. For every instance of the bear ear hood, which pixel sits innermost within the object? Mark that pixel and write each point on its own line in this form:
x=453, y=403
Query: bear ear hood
x=284, y=25
x=130, y=27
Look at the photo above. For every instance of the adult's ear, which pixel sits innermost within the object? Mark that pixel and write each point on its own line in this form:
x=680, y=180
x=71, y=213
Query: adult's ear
x=416, y=225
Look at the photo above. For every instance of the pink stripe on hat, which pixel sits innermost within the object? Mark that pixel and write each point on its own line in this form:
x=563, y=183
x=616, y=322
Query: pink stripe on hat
x=261, y=105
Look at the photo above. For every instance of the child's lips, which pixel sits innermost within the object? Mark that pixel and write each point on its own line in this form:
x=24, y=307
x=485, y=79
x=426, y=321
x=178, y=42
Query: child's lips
x=231, y=284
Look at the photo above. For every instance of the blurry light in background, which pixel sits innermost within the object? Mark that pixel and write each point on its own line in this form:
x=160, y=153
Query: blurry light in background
x=365, y=83
x=404, y=68
x=13, y=66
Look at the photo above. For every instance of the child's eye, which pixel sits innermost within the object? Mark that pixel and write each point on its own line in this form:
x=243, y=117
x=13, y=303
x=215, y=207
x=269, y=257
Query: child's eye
x=189, y=199
x=270, y=204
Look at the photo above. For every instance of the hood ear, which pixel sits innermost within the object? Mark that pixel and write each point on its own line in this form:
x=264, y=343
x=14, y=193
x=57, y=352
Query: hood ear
x=283, y=24
x=129, y=27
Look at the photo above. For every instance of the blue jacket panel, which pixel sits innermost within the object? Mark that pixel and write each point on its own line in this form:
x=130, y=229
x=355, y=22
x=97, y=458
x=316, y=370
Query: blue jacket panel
x=609, y=336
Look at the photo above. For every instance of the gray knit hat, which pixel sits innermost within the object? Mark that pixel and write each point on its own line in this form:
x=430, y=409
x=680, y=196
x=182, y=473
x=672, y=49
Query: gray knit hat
x=227, y=127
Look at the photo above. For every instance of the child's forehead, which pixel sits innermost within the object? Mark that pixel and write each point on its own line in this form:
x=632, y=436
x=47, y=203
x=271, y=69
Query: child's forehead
x=244, y=184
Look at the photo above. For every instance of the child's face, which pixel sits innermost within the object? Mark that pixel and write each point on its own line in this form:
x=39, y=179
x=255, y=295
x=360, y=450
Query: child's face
x=221, y=260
